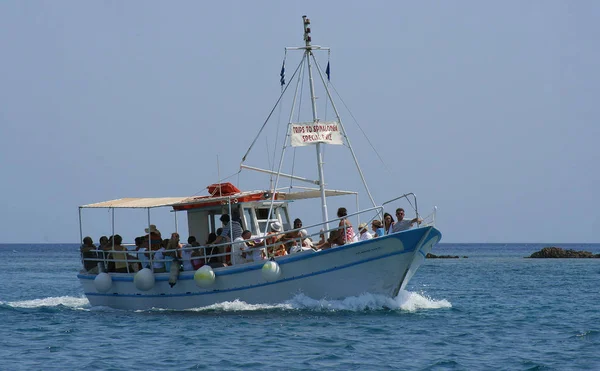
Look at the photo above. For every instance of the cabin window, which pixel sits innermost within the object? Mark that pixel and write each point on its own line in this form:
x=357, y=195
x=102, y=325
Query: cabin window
x=262, y=214
x=249, y=220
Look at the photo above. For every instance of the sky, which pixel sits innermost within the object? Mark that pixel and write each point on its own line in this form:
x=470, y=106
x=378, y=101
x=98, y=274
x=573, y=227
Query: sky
x=487, y=110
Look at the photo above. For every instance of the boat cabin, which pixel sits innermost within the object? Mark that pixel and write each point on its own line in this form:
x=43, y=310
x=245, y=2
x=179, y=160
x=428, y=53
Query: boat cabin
x=253, y=208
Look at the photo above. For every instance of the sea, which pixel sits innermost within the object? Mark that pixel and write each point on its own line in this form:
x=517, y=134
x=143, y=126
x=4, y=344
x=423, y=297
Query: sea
x=490, y=309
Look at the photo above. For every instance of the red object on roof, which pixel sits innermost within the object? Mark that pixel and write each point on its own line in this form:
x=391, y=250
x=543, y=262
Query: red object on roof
x=222, y=189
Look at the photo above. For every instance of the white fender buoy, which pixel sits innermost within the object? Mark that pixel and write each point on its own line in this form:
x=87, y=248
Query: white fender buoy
x=103, y=282
x=271, y=271
x=204, y=276
x=144, y=279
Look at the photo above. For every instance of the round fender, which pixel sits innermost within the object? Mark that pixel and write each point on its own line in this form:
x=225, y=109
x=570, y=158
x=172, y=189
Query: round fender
x=144, y=279
x=204, y=276
x=103, y=282
x=271, y=271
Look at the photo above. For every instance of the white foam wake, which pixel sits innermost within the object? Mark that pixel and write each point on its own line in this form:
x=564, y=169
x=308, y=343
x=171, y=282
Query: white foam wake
x=238, y=305
x=406, y=301
x=67, y=301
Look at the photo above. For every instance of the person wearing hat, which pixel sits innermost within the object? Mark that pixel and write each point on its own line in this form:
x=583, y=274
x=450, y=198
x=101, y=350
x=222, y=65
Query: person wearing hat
x=364, y=233
x=377, y=227
x=153, y=239
x=303, y=243
x=274, y=237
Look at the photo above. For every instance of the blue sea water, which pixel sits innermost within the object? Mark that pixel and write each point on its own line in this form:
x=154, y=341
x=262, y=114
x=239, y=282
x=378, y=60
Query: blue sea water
x=494, y=310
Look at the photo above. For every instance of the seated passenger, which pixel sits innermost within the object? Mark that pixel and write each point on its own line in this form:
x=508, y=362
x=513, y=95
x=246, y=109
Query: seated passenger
x=89, y=255
x=142, y=253
x=173, y=246
x=303, y=244
x=348, y=234
x=335, y=239
x=377, y=227
x=273, y=240
x=364, y=233
x=212, y=236
x=292, y=238
x=388, y=223
x=402, y=224
x=119, y=255
x=153, y=239
x=197, y=254
x=158, y=263
x=187, y=252
x=107, y=249
x=238, y=256
x=103, y=241
x=102, y=265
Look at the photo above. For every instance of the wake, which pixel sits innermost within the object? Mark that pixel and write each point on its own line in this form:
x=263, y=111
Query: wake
x=80, y=303
x=405, y=301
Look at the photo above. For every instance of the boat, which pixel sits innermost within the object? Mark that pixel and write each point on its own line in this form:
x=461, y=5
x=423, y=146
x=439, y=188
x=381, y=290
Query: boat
x=336, y=267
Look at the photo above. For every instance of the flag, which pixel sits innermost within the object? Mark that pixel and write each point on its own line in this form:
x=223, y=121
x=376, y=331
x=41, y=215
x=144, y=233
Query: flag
x=282, y=74
x=328, y=72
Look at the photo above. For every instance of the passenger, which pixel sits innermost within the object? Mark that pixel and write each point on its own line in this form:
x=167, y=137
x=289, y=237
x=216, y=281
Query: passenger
x=364, y=233
x=306, y=241
x=225, y=234
x=158, y=263
x=107, y=249
x=173, y=246
x=231, y=228
x=153, y=239
x=348, y=235
x=142, y=252
x=388, y=223
x=197, y=253
x=212, y=236
x=102, y=265
x=186, y=254
x=238, y=256
x=303, y=244
x=377, y=228
x=103, y=241
x=335, y=239
x=89, y=255
x=119, y=255
x=293, y=238
x=402, y=224
x=273, y=241
x=254, y=252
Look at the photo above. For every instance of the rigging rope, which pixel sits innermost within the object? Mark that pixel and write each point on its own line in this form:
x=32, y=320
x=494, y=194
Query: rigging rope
x=282, y=82
x=270, y=114
x=361, y=129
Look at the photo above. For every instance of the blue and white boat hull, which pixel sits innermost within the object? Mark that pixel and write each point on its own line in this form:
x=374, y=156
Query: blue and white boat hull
x=382, y=265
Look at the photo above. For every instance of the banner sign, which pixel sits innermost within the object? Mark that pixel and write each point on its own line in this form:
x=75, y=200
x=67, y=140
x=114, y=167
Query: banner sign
x=307, y=133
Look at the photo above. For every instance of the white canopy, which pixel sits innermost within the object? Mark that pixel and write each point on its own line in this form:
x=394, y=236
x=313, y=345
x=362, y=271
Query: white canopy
x=137, y=202
x=151, y=202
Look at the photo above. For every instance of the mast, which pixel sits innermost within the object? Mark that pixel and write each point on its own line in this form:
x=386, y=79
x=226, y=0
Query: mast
x=308, y=54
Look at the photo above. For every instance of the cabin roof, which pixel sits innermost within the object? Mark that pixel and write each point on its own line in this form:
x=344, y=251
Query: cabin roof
x=152, y=202
x=136, y=202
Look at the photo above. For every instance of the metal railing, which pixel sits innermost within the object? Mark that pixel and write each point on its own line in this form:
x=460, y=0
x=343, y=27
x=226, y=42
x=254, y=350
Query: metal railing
x=218, y=251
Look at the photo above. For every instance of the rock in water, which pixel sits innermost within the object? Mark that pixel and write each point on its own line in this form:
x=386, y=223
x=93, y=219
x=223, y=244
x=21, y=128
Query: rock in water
x=553, y=252
x=432, y=256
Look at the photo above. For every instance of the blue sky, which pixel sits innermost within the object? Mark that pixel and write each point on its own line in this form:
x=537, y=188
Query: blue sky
x=488, y=110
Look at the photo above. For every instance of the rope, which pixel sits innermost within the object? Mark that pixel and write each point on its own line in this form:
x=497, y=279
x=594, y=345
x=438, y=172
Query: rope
x=270, y=113
x=361, y=129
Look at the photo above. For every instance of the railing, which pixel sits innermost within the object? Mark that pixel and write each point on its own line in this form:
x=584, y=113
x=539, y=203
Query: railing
x=104, y=257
